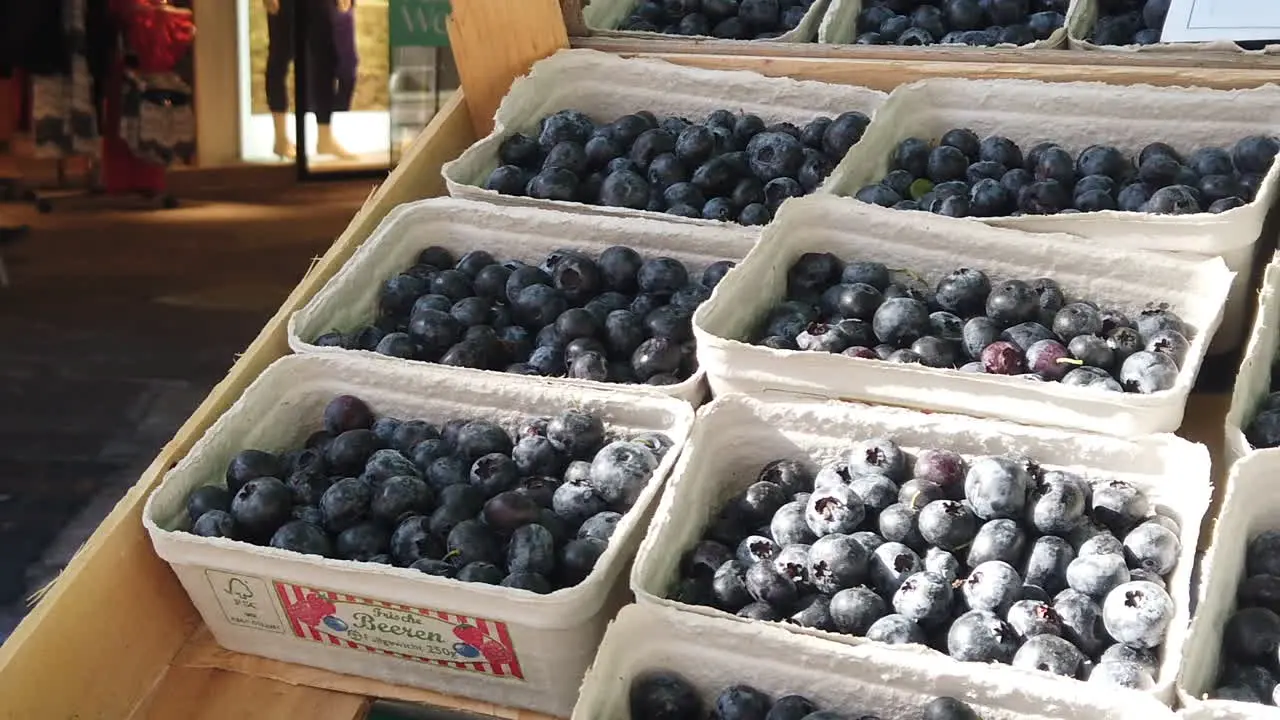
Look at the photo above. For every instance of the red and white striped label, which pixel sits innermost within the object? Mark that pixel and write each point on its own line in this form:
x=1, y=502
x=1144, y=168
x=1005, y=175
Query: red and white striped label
x=430, y=636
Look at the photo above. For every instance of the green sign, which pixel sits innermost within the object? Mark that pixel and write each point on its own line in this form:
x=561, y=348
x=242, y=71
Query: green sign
x=419, y=23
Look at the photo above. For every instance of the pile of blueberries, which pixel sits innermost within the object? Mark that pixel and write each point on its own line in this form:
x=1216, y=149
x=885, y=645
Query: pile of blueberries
x=1029, y=329
x=1264, y=430
x=725, y=19
x=988, y=559
x=614, y=318
x=666, y=695
x=963, y=22
x=465, y=500
x=1249, y=661
x=1129, y=22
x=728, y=167
x=963, y=175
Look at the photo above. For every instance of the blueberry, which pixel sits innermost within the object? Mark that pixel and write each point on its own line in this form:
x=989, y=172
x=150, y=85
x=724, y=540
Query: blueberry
x=729, y=587
x=1173, y=200
x=1011, y=302
x=600, y=526
x=878, y=194
x=989, y=198
x=216, y=523
x=1255, y=154
x=993, y=585
x=949, y=708
x=894, y=629
x=507, y=180
x=625, y=188
x=1097, y=575
x=981, y=636
x=1152, y=547
x=901, y=321
x=1056, y=506
x=996, y=486
x=774, y=155
x=362, y=542
x=778, y=190
x=891, y=564
x=1030, y=618
x=855, y=610
x=1082, y=621
x=792, y=561
x=742, y=702
x=756, y=548
x=999, y=539
x=924, y=597
x=1218, y=206
x=843, y=132
x=1139, y=614
x=1052, y=654
x=834, y=510
x=1049, y=359
x=413, y=540
x=766, y=584
x=836, y=562
x=789, y=526
x=947, y=524
x=947, y=163
x=649, y=145
x=663, y=695
x=206, y=498
x=1122, y=674
x=302, y=537
x=977, y=334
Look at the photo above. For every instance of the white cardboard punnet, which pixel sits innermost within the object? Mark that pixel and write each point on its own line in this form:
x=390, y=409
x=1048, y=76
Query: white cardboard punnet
x=735, y=436
x=932, y=246
x=350, y=298
x=1078, y=115
x=840, y=27
x=1250, y=507
x=714, y=654
x=1083, y=14
x=1253, y=381
x=391, y=623
x=603, y=17
x=606, y=87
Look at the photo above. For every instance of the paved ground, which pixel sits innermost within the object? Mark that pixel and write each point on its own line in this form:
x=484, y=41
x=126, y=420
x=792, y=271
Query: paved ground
x=117, y=324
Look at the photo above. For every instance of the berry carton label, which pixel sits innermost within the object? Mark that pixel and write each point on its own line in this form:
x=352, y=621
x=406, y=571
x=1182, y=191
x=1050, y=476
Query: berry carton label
x=430, y=636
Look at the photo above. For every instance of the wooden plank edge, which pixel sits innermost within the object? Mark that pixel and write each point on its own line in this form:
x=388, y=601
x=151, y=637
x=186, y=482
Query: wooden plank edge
x=117, y=570
x=214, y=694
x=894, y=53
x=888, y=74
x=202, y=651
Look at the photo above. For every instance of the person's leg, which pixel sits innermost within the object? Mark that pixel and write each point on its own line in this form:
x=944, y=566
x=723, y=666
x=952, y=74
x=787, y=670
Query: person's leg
x=280, y=53
x=323, y=57
x=348, y=61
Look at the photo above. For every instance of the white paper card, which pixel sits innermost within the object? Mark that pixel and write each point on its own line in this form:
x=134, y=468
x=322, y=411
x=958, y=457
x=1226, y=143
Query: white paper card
x=1206, y=20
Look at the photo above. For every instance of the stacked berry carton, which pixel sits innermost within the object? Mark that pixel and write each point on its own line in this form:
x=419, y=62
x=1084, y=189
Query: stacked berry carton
x=1079, y=115
x=853, y=680
x=792, y=22
x=1255, y=380
x=1250, y=508
x=350, y=298
x=398, y=624
x=845, y=23
x=931, y=246
x=1082, y=28
x=607, y=88
x=735, y=436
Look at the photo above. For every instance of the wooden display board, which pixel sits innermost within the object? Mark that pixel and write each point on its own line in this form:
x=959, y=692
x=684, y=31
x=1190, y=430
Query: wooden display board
x=116, y=636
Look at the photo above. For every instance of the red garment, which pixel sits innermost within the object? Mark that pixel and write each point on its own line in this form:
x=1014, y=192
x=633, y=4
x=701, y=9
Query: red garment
x=158, y=38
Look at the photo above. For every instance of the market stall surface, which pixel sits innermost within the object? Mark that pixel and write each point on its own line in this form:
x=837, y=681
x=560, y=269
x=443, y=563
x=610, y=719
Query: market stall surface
x=117, y=324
